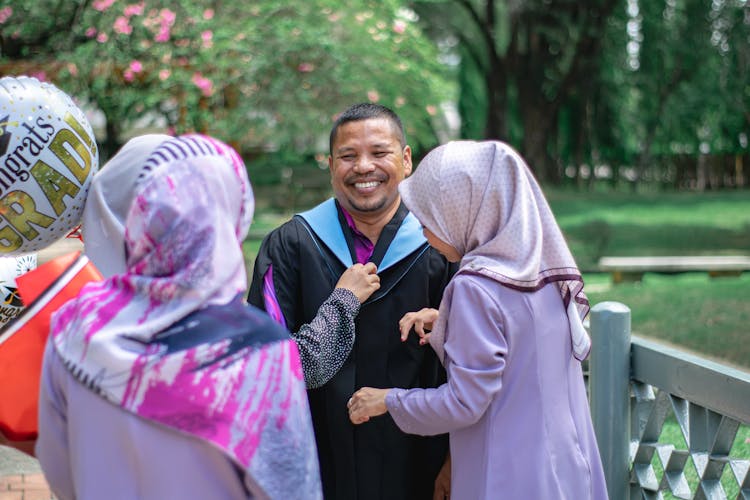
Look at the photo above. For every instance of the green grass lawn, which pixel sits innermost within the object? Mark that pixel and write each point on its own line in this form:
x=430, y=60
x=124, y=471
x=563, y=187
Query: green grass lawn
x=709, y=316
x=623, y=224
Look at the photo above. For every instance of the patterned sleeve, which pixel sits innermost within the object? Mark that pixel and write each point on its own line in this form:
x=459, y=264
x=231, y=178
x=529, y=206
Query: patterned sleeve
x=325, y=342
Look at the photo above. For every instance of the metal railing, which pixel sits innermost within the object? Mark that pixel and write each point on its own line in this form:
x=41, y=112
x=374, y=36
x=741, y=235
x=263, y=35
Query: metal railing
x=635, y=386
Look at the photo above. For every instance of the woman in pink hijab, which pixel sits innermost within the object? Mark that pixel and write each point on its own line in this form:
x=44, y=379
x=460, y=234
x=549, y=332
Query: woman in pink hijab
x=509, y=332
x=160, y=382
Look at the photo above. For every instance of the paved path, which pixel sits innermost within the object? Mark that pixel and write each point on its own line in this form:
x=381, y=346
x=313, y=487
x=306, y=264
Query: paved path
x=20, y=477
x=25, y=487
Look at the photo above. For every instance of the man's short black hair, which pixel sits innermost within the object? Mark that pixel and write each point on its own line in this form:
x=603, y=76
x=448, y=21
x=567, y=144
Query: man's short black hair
x=366, y=111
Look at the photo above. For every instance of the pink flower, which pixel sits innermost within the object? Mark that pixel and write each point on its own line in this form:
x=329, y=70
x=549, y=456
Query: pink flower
x=72, y=69
x=102, y=5
x=166, y=22
x=5, y=13
x=91, y=32
x=305, y=67
x=373, y=96
x=122, y=26
x=164, y=74
x=208, y=14
x=128, y=75
x=163, y=35
x=39, y=75
x=102, y=37
x=204, y=84
x=167, y=17
x=431, y=110
x=135, y=9
x=399, y=26
x=207, y=37
x=136, y=66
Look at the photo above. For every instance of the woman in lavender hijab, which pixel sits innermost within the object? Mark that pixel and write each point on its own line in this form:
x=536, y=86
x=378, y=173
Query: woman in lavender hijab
x=509, y=332
x=160, y=382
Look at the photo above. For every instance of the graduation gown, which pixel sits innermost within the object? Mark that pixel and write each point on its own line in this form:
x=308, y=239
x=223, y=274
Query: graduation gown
x=309, y=253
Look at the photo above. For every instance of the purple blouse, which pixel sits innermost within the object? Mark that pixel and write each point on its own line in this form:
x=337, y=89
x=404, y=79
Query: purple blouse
x=515, y=403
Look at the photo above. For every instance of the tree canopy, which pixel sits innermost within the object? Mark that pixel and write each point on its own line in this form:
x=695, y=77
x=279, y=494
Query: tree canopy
x=603, y=82
x=262, y=75
x=642, y=90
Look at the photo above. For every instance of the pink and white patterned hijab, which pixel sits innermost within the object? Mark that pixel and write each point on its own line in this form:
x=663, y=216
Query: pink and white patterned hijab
x=143, y=338
x=482, y=199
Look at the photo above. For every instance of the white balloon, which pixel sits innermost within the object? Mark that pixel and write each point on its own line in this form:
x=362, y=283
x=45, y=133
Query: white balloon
x=48, y=156
x=10, y=269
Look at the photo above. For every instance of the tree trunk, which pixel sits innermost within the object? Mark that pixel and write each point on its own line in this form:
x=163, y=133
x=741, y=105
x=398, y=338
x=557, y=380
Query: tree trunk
x=496, y=126
x=112, y=142
x=537, y=125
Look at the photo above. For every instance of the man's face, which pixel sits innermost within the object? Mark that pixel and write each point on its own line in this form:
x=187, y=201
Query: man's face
x=367, y=163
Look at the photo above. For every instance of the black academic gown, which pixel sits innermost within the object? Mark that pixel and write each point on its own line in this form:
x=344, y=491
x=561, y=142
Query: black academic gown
x=309, y=253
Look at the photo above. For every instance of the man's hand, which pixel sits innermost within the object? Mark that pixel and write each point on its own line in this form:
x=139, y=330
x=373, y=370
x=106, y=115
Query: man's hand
x=365, y=403
x=421, y=321
x=361, y=280
x=443, y=481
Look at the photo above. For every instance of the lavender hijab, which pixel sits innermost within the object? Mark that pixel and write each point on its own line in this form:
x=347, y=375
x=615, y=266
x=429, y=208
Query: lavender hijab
x=482, y=199
x=189, y=210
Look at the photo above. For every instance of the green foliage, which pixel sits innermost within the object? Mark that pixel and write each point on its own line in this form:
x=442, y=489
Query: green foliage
x=264, y=75
x=652, y=84
x=659, y=88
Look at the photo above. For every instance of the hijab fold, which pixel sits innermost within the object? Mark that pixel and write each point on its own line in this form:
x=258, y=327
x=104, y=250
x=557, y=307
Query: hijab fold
x=482, y=199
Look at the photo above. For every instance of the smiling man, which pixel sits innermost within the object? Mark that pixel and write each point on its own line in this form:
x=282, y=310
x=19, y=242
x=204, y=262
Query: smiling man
x=345, y=345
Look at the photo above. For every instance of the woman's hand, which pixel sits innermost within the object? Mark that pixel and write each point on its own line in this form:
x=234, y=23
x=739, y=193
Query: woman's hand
x=421, y=321
x=365, y=403
x=361, y=280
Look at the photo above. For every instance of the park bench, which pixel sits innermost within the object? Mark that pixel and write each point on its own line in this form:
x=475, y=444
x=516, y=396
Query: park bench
x=633, y=268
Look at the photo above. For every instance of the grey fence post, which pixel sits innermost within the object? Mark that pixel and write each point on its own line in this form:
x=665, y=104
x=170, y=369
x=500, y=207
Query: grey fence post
x=609, y=389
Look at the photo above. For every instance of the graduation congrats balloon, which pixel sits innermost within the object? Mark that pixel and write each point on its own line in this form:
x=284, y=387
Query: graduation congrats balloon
x=47, y=159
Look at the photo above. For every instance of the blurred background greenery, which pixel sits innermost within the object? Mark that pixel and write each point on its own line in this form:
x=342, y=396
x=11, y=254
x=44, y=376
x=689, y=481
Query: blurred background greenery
x=619, y=91
x=634, y=114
